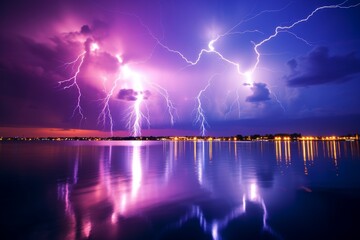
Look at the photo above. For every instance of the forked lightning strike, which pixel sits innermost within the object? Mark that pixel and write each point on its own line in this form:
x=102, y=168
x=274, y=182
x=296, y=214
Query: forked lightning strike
x=200, y=116
x=135, y=115
x=106, y=111
x=280, y=29
x=169, y=104
x=72, y=81
x=200, y=113
x=235, y=102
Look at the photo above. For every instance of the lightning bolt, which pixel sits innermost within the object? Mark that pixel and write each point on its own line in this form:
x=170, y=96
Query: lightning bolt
x=299, y=38
x=105, y=111
x=137, y=114
x=200, y=113
x=169, y=104
x=280, y=29
x=135, y=117
x=200, y=117
x=72, y=82
x=277, y=99
x=235, y=102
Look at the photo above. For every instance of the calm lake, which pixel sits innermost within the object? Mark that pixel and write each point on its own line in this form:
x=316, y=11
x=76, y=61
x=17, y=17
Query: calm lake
x=180, y=190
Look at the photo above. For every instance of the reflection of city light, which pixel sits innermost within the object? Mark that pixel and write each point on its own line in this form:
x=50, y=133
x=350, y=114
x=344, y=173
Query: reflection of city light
x=278, y=151
x=304, y=157
x=201, y=162
x=195, y=151
x=287, y=152
x=235, y=150
x=176, y=150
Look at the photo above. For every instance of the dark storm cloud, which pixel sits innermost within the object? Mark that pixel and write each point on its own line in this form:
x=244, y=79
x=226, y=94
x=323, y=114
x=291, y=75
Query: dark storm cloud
x=260, y=93
x=100, y=29
x=318, y=67
x=132, y=95
x=30, y=71
x=85, y=30
x=292, y=65
x=127, y=95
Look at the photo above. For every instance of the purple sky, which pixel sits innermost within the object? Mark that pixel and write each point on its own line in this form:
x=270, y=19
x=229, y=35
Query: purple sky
x=127, y=58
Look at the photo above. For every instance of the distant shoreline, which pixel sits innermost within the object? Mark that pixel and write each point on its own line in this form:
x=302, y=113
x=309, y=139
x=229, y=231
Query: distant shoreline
x=267, y=137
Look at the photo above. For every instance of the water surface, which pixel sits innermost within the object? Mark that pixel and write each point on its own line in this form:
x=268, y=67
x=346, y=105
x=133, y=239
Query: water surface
x=179, y=190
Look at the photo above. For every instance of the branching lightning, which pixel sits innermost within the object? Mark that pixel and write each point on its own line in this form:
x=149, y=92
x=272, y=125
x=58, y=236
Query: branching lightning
x=169, y=104
x=135, y=116
x=236, y=102
x=72, y=82
x=280, y=29
x=105, y=111
x=200, y=116
x=200, y=113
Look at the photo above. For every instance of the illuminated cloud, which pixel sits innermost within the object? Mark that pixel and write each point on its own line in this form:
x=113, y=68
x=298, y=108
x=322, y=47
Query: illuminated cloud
x=319, y=67
x=260, y=93
x=146, y=94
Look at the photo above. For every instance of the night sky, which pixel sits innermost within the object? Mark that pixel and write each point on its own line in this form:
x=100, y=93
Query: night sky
x=151, y=67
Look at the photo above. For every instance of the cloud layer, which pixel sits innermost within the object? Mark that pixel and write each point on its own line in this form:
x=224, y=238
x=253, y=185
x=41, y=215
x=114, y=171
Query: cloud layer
x=319, y=67
x=260, y=93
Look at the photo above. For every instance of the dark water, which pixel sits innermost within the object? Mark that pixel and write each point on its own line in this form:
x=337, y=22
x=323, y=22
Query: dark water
x=180, y=190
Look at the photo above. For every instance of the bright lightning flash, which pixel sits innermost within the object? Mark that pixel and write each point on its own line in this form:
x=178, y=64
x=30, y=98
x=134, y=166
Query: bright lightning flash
x=135, y=116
